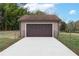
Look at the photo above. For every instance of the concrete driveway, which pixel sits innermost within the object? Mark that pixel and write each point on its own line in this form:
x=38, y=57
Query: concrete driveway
x=38, y=46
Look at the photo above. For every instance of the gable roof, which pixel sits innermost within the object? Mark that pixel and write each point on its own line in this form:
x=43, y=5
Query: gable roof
x=39, y=18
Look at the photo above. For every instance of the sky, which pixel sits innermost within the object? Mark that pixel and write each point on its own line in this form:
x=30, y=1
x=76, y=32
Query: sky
x=65, y=11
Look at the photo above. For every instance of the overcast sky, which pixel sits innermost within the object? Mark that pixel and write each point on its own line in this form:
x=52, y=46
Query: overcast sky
x=66, y=11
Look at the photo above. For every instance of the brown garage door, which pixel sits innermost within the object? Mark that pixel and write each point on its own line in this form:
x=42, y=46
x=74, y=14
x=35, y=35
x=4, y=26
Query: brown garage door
x=39, y=30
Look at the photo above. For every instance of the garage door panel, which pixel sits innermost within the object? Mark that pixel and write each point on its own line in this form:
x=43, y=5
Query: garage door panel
x=39, y=30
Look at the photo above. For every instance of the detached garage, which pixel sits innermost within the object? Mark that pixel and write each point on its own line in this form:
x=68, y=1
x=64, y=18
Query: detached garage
x=39, y=26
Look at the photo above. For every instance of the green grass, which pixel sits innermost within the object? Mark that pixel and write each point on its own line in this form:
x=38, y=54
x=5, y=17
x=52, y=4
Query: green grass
x=8, y=38
x=70, y=40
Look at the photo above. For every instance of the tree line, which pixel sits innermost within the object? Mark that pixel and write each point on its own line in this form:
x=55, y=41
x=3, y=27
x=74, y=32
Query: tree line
x=71, y=26
x=10, y=13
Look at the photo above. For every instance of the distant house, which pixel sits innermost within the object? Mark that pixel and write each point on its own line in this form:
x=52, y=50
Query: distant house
x=39, y=26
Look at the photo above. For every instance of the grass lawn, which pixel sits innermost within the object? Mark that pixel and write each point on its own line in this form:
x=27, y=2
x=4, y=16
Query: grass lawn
x=70, y=40
x=7, y=38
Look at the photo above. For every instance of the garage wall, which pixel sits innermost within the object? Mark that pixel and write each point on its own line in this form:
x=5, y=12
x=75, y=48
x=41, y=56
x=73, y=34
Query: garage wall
x=54, y=27
x=22, y=27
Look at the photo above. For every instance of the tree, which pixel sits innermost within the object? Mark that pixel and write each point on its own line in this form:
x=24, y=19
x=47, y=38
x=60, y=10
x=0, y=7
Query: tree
x=70, y=26
x=77, y=26
x=38, y=12
x=10, y=13
x=63, y=26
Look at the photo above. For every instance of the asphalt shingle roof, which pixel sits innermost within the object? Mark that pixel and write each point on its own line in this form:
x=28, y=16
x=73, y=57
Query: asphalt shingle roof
x=42, y=18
